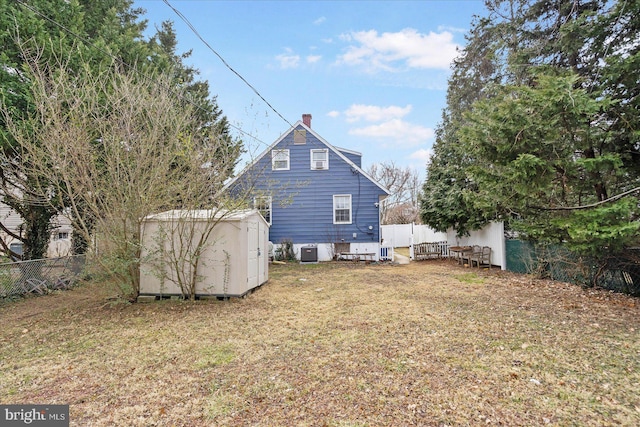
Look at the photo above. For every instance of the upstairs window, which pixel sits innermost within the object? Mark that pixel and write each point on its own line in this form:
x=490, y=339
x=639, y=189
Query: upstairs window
x=280, y=160
x=263, y=205
x=320, y=159
x=342, y=209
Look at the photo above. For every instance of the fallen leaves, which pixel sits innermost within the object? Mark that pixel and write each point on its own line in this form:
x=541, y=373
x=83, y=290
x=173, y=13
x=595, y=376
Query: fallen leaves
x=351, y=345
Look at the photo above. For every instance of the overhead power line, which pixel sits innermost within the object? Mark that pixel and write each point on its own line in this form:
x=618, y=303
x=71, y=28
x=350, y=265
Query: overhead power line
x=128, y=66
x=195, y=31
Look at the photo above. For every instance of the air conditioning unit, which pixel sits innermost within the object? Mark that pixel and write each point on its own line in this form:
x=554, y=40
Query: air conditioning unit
x=319, y=165
x=309, y=255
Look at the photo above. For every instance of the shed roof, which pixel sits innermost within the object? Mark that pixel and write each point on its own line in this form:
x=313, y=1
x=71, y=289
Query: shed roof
x=219, y=214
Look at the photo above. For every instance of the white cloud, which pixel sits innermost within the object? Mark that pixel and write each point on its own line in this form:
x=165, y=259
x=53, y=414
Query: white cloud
x=443, y=28
x=312, y=59
x=419, y=160
x=396, y=131
x=423, y=155
x=319, y=20
x=288, y=59
x=333, y=114
x=392, y=51
x=373, y=113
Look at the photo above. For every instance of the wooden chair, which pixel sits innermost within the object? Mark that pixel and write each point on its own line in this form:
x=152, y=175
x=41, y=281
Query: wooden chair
x=469, y=256
x=483, y=257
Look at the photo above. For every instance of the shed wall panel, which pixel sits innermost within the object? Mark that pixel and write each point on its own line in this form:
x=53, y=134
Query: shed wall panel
x=223, y=268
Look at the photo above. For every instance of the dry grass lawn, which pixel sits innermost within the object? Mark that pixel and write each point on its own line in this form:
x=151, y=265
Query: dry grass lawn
x=429, y=344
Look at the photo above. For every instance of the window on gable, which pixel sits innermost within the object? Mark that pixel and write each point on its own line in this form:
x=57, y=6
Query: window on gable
x=342, y=209
x=280, y=160
x=263, y=205
x=320, y=159
x=299, y=137
x=61, y=235
x=16, y=248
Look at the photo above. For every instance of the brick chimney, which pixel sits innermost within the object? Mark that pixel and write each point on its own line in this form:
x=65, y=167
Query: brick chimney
x=306, y=119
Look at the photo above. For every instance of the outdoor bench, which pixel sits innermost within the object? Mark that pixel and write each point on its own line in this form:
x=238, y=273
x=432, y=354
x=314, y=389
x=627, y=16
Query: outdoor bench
x=427, y=250
x=355, y=256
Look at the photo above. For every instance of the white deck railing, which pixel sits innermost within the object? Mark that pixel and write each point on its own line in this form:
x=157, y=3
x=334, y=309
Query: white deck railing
x=386, y=253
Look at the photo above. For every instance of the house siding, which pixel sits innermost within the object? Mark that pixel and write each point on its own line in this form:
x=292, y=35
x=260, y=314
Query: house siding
x=356, y=158
x=57, y=247
x=9, y=217
x=302, y=198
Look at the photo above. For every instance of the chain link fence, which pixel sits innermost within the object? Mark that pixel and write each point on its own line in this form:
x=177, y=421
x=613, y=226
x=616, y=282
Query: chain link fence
x=39, y=276
x=620, y=273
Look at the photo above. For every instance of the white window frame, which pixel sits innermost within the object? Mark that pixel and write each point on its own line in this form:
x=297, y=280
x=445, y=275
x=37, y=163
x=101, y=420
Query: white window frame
x=320, y=164
x=337, y=206
x=280, y=156
x=61, y=235
x=264, y=204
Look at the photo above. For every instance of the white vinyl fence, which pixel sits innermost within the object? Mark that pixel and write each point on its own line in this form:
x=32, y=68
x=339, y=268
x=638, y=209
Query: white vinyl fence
x=397, y=235
x=405, y=235
x=491, y=235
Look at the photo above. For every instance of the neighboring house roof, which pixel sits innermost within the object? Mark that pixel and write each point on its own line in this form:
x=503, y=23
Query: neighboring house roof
x=336, y=150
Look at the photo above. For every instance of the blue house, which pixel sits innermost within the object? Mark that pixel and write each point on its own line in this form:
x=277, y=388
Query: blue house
x=313, y=193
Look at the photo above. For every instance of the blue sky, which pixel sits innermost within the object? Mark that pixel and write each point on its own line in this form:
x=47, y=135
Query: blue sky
x=372, y=74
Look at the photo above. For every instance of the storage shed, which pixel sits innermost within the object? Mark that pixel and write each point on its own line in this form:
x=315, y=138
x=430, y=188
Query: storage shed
x=234, y=257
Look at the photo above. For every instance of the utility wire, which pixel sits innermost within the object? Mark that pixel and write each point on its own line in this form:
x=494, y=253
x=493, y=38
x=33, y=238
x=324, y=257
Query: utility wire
x=122, y=62
x=193, y=29
x=606, y=51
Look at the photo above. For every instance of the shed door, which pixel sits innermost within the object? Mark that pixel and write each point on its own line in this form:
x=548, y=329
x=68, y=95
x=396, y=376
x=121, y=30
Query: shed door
x=254, y=252
x=263, y=252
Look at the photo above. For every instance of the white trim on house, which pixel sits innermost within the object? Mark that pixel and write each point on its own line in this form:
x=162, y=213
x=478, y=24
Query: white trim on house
x=326, y=251
x=316, y=163
x=339, y=204
x=346, y=150
x=280, y=156
x=323, y=141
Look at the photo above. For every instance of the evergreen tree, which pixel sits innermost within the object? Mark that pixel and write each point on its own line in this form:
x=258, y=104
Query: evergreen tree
x=541, y=125
x=88, y=36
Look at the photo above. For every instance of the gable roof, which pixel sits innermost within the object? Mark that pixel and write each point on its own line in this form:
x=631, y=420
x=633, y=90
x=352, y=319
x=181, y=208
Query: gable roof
x=337, y=151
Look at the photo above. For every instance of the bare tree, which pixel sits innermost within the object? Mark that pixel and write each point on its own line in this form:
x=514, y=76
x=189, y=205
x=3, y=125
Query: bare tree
x=403, y=183
x=402, y=213
x=112, y=149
